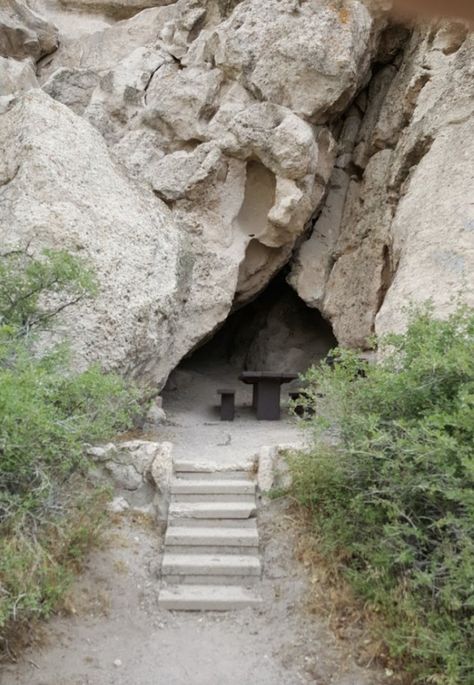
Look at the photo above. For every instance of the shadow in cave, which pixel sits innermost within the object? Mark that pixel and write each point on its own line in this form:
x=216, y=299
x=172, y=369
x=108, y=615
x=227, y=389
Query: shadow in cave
x=275, y=332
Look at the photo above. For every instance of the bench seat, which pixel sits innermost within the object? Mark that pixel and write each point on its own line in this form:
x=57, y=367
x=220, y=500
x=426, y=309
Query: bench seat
x=227, y=403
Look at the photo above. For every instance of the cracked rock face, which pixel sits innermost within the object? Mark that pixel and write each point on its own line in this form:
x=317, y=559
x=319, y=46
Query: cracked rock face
x=397, y=224
x=186, y=147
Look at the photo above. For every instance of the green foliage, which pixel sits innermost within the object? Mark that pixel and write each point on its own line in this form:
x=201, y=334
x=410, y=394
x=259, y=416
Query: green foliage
x=47, y=414
x=389, y=480
x=37, y=563
x=25, y=281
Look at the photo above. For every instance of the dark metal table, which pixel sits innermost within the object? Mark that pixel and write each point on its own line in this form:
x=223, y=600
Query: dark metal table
x=266, y=392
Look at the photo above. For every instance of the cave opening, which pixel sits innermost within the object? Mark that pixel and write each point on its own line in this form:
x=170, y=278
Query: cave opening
x=274, y=332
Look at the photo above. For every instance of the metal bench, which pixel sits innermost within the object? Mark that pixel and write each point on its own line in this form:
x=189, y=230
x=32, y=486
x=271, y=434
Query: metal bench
x=227, y=403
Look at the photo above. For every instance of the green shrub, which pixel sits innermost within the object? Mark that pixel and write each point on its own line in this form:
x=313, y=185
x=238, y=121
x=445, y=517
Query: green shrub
x=25, y=281
x=389, y=480
x=47, y=415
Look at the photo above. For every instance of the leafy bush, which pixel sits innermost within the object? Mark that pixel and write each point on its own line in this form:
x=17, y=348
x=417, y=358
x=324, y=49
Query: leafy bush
x=47, y=414
x=26, y=282
x=389, y=480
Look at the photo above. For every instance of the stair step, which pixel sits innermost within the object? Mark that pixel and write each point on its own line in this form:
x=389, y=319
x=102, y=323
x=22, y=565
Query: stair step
x=223, y=524
x=230, y=537
x=219, y=497
x=210, y=564
x=215, y=475
x=211, y=558
x=206, y=597
x=212, y=510
x=211, y=549
x=227, y=579
x=212, y=486
x=215, y=470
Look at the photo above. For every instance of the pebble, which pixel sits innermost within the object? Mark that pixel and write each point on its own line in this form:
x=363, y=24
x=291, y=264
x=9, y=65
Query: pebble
x=117, y=663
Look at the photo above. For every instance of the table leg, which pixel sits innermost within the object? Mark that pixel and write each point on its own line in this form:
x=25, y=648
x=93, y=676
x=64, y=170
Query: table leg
x=255, y=396
x=268, y=400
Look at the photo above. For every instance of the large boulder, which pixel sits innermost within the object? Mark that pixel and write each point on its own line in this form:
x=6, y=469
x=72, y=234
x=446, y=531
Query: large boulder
x=281, y=52
x=59, y=188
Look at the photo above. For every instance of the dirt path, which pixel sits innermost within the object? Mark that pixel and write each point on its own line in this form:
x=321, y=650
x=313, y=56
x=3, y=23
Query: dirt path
x=115, y=633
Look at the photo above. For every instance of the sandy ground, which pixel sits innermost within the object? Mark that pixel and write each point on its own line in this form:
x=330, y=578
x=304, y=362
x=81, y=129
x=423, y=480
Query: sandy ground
x=115, y=634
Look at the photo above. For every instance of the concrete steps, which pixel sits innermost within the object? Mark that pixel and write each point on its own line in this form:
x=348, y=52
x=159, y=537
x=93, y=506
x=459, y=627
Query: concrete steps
x=212, y=510
x=214, y=537
x=199, y=470
x=207, y=486
x=212, y=523
x=248, y=582
x=207, y=597
x=211, y=555
x=217, y=497
x=210, y=565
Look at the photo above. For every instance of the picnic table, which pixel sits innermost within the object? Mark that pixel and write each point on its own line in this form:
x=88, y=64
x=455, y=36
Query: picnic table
x=266, y=391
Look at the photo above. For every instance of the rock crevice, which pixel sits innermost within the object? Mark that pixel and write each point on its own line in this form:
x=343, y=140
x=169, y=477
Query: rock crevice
x=373, y=250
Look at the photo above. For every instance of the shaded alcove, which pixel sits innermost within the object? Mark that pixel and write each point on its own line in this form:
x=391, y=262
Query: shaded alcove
x=274, y=332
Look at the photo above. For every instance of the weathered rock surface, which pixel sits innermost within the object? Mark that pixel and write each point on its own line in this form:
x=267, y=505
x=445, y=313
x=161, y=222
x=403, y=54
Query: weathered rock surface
x=397, y=226
x=103, y=48
x=140, y=471
x=279, y=50
x=23, y=33
x=117, y=8
x=273, y=471
x=158, y=298
x=72, y=87
x=16, y=76
x=241, y=175
x=192, y=142
x=60, y=188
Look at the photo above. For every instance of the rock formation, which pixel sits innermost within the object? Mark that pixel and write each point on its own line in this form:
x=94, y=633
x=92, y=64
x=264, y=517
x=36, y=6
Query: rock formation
x=185, y=148
x=140, y=471
x=397, y=226
x=23, y=33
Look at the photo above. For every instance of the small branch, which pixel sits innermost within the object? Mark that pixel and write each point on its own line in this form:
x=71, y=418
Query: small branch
x=55, y=312
x=23, y=251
